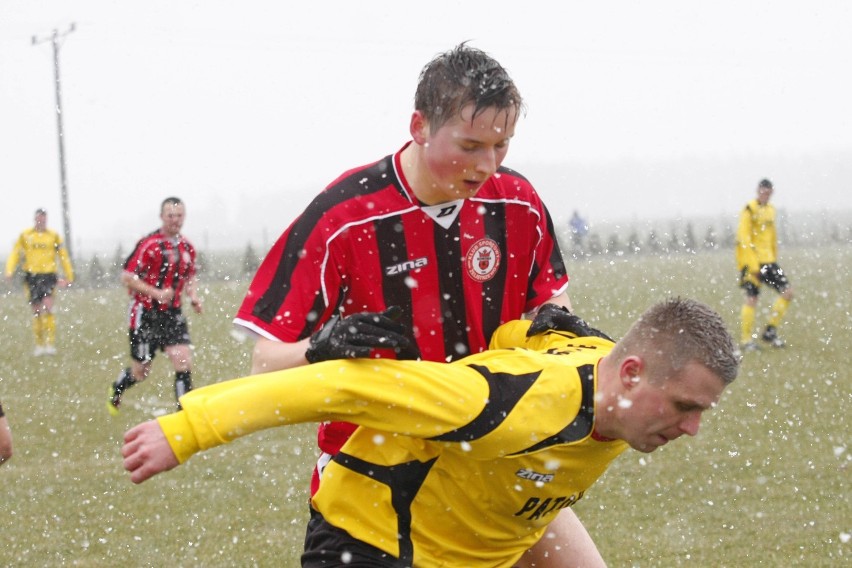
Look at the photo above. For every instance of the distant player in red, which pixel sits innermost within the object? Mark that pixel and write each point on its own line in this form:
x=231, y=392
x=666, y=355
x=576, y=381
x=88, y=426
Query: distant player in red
x=422, y=254
x=157, y=273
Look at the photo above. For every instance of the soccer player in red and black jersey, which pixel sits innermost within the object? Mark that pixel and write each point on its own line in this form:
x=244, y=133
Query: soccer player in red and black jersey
x=159, y=271
x=423, y=253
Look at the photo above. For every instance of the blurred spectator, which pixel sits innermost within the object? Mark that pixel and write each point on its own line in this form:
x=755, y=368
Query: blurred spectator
x=579, y=230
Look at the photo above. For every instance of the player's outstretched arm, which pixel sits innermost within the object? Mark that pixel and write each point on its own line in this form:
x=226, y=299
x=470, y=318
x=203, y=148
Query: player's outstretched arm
x=146, y=452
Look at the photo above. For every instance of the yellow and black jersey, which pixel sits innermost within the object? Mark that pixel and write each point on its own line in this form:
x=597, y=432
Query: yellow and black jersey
x=756, y=237
x=459, y=464
x=37, y=250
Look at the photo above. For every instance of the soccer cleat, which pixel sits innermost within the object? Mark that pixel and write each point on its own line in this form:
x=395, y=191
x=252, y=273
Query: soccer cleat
x=770, y=336
x=749, y=346
x=38, y=351
x=121, y=384
x=114, y=401
x=49, y=350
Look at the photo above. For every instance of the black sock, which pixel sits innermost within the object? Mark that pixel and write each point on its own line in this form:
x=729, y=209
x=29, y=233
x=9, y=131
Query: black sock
x=183, y=384
x=125, y=381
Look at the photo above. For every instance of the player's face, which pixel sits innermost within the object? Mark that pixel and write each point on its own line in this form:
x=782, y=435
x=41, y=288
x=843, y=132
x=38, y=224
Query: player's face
x=463, y=153
x=763, y=195
x=40, y=222
x=172, y=216
x=655, y=412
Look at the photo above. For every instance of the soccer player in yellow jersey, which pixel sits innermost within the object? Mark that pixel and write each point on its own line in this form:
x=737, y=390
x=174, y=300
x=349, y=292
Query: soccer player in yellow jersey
x=756, y=256
x=465, y=463
x=37, y=249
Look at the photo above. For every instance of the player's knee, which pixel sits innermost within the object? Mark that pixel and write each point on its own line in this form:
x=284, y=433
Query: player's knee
x=181, y=357
x=787, y=294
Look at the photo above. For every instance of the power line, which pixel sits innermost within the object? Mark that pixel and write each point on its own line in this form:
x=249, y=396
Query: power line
x=66, y=216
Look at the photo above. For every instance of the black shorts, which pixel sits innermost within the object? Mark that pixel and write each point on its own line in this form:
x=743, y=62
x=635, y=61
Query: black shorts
x=770, y=274
x=157, y=330
x=40, y=285
x=327, y=546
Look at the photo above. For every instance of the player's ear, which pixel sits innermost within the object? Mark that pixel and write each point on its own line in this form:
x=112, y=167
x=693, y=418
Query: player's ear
x=630, y=370
x=419, y=128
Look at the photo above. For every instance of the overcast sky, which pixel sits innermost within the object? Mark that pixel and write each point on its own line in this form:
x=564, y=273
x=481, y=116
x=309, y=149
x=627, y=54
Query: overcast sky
x=246, y=109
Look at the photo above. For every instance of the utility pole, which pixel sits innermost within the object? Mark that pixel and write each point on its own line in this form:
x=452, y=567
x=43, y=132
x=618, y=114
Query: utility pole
x=66, y=217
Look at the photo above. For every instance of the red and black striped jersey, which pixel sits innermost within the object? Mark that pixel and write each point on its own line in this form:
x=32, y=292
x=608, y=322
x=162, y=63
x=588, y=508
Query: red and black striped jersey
x=162, y=262
x=458, y=269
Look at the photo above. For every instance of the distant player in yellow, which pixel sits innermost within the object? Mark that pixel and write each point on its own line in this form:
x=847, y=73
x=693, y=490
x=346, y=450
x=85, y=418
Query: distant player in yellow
x=465, y=463
x=37, y=249
x=757, y=255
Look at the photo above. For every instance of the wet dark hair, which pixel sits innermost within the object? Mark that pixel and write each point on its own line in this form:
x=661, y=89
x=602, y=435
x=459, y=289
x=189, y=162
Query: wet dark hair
x=765, y=183
x=460, y=77
x=170, y=201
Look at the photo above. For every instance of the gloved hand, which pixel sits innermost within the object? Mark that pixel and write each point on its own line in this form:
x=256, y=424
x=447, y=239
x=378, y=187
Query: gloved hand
x=356, y=335
x=553, y=317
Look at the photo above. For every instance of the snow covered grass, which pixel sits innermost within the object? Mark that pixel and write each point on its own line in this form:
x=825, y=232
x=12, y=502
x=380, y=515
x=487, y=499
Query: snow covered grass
x=67, y=499
x=766, y=480
x=763, y=483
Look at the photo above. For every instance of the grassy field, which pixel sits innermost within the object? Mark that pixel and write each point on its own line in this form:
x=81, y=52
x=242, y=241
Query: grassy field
x=764, y=484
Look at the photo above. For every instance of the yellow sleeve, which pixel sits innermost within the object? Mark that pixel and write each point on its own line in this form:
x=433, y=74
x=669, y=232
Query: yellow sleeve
x=66, y=261
x=514, y=334
x=773, y=237
x=180, y=436
x=510, y=334
x=746, y=256
x=14, y=256
x=413, y=398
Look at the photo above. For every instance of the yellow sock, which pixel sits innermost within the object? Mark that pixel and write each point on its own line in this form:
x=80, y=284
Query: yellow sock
x=747, y=322
x=38, y=331
x=778, y=311
x=49, y=328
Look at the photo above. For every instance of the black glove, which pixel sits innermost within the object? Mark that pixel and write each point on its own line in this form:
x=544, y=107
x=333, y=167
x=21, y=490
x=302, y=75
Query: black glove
x=553, y=317
x=356, y=335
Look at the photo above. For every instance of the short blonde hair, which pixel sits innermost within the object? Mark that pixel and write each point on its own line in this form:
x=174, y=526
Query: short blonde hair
x=677, y=331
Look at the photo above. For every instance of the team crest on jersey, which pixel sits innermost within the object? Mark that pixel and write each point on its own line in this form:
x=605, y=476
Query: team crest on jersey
x=483, y=260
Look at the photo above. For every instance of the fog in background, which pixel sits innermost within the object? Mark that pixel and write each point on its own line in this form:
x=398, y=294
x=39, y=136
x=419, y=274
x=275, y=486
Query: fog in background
x=636, y=110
